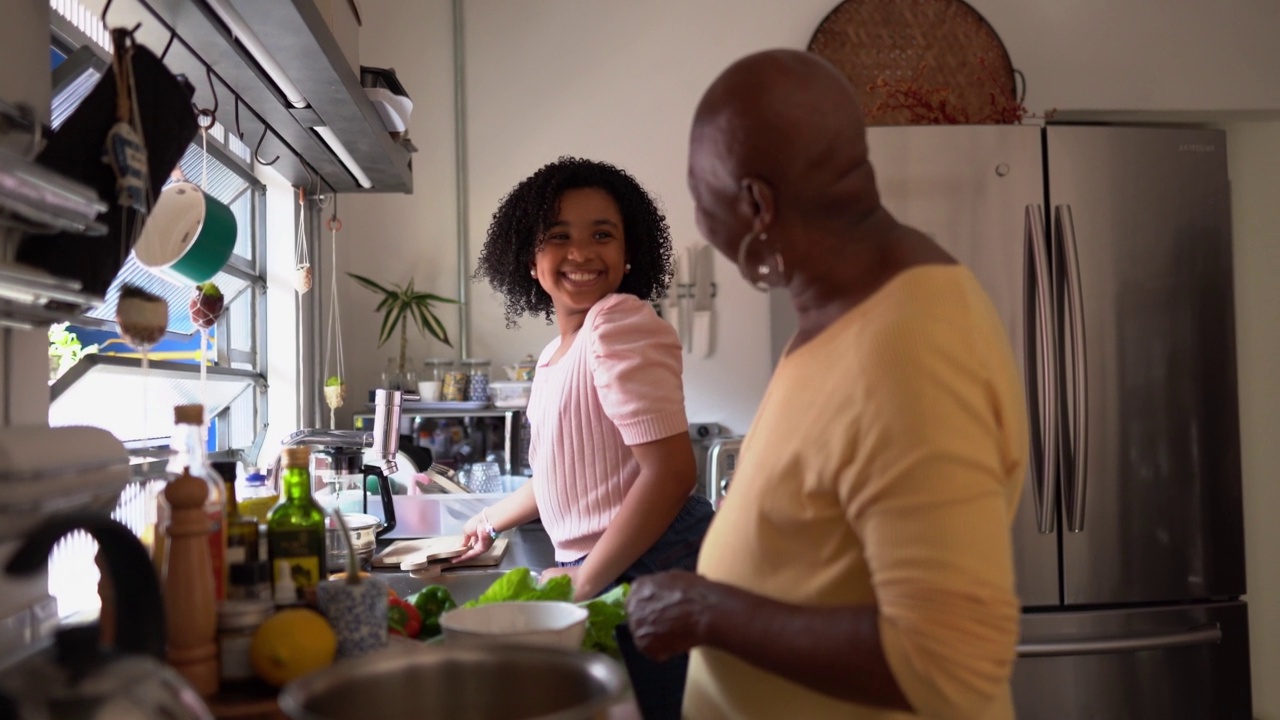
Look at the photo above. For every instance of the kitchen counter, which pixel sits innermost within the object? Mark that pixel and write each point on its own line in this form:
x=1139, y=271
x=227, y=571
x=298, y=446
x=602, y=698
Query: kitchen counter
x=528, y=546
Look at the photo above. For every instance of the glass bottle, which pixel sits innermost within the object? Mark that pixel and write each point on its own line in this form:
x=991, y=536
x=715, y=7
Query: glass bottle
x=188, y=445
x=295, y=532
x=256, y=496
x=242, y=532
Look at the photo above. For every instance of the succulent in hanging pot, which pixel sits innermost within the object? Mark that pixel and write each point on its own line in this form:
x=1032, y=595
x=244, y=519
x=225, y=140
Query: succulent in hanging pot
x=335, y=392
x=206, y=305
x=302, y=279
x=143, y=317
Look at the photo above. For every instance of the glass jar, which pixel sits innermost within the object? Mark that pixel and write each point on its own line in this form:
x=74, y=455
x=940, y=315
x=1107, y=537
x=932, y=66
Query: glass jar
x=477, y=379
x=454, y=386
x=432, y=380
x=237, y=621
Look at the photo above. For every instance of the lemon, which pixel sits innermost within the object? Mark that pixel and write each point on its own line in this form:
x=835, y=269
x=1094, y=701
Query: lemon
x=290, y=644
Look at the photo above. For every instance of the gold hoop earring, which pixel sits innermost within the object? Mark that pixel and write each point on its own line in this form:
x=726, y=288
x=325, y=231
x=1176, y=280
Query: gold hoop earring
x=763, y=276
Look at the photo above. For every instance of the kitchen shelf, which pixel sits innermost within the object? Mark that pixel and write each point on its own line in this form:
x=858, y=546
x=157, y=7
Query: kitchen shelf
x=295, y=34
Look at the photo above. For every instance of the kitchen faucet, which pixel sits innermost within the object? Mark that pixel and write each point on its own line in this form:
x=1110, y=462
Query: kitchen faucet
x=384, y=440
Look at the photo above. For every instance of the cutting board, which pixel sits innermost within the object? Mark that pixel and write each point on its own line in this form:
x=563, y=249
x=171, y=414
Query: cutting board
x=416, y=554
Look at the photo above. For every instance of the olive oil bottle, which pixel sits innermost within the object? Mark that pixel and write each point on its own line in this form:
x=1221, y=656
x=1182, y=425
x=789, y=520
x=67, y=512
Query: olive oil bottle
x=295, y=533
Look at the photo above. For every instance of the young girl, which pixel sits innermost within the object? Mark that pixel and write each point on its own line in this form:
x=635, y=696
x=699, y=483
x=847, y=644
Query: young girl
x=581, y=243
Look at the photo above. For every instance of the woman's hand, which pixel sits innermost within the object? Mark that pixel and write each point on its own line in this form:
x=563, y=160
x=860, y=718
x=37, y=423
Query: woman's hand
x=475, y=536
x=669, y=612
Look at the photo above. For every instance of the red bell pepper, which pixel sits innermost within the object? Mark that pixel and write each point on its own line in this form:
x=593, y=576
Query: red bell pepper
x=403, y=618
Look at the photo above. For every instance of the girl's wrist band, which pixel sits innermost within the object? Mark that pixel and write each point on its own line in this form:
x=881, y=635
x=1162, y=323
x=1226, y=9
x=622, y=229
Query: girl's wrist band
x=488, y=526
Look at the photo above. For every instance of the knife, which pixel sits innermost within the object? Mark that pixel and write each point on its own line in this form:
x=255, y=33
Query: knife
x=703, y=321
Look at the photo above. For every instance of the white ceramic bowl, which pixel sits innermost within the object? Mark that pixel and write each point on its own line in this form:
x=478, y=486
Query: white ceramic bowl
x=544, y=623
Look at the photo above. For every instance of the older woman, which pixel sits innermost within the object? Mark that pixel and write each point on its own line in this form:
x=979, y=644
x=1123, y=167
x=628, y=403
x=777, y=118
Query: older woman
x=860, y=566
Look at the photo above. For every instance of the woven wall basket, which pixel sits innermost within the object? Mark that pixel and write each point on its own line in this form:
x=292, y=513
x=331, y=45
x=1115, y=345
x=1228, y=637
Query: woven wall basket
x=920, y=61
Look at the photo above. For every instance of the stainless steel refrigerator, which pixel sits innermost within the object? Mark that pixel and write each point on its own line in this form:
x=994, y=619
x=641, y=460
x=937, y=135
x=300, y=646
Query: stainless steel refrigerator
x=1108, y=253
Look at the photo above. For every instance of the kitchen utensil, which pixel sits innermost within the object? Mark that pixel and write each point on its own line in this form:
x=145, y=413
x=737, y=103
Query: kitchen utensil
x=489, y=558
x=189, y=236
x=542, y=623
x=416, y=554
x=703, y=329
x=460, y=681
x=348, y=470
x=364, y=538
x=445, y=478
x=80, y=678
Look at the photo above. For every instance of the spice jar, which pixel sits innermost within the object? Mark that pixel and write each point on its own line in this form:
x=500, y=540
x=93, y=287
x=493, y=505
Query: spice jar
x=454, y=386
x=237, y=621
x=477, y=380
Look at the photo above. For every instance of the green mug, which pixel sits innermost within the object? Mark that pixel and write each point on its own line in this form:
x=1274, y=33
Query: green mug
x=188, y=236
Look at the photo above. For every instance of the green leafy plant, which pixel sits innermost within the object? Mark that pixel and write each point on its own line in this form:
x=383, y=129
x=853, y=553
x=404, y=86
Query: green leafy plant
x=65, y=350
x=402, y=304
x=333, y=381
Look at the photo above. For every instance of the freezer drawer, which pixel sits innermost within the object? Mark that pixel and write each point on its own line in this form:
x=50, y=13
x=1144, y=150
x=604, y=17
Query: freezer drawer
x=1188, y=662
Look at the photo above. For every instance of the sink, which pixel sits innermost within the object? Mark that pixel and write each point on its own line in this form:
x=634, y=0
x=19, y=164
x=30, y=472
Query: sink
x=464, y=585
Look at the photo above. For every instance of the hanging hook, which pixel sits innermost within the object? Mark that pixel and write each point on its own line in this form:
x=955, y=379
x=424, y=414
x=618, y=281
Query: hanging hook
x=258, y=158
x=334, y=223
x=236, y=104
x=105, y=8
x=210, y=112
x=163, y=53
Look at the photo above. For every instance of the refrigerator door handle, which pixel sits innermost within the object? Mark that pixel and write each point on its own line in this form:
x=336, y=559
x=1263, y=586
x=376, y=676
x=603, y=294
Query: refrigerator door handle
x=1065, y=228
x=1042, y=344
x=1210, y=634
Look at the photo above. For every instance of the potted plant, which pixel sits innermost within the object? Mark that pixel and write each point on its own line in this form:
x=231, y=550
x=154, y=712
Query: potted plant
x=65, y=350
x=400, y=305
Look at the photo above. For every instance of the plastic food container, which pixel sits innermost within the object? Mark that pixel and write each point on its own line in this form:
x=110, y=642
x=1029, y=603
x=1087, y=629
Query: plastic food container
x=510, y=394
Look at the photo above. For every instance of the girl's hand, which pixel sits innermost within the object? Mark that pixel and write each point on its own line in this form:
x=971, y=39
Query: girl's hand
x=580, y=590
x=475, y=537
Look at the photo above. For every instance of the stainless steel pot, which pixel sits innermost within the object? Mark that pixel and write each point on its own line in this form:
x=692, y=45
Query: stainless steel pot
x=448, y=681
x=364, y=539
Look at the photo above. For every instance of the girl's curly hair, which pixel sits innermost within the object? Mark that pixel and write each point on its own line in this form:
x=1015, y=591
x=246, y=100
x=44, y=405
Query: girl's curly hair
x=522, y=218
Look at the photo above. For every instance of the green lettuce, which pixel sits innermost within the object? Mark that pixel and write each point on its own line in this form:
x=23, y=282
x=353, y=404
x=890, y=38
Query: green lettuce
x=604, y=613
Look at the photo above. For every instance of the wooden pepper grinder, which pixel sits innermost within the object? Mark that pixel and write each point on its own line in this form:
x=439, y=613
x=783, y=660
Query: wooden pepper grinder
x=191, y=613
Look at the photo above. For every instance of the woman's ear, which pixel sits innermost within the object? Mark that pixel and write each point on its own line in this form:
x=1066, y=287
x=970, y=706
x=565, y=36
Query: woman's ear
x=756, y=199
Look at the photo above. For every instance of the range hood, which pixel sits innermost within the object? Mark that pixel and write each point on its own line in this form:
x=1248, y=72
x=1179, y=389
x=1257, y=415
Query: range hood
x=324, y=118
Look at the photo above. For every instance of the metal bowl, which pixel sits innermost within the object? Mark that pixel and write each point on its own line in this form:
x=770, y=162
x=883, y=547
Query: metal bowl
x=465, y=681
x=364, y=538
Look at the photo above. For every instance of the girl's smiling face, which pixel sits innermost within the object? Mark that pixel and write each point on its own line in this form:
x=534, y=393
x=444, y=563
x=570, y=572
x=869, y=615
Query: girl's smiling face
x=582, y=255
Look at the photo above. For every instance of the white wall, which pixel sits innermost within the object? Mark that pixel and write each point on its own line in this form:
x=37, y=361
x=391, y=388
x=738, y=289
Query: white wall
x=1255, y=179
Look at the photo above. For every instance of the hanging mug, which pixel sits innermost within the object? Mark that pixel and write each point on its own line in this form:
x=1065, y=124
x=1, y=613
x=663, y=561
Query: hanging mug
x=188, y=236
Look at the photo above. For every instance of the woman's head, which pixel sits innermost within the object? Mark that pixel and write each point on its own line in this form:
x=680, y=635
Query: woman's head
x=571, y=233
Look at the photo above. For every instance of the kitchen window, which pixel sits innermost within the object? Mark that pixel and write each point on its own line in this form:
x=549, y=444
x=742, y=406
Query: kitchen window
x=109, y=388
